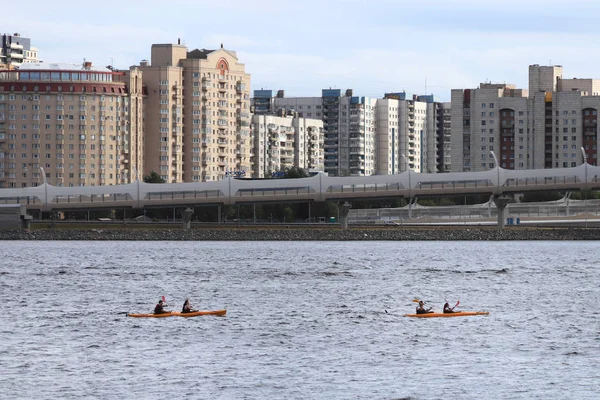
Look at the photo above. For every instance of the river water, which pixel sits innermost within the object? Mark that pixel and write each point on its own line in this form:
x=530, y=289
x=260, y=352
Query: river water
x=305, y=320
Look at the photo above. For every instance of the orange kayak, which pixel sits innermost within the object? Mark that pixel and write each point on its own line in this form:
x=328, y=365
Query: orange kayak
x=218, y=313
x=442, y=315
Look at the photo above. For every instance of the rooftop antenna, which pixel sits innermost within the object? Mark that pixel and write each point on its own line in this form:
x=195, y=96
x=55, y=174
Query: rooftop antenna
x=112, y=63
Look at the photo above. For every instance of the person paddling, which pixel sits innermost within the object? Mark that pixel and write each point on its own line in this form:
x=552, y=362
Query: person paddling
x=187, y=307
x=448, y=309
x=421, y=308
x=159, y=308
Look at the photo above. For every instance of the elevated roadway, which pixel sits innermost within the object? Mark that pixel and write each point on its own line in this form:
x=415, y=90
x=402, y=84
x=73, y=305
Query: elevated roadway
x=498, y=183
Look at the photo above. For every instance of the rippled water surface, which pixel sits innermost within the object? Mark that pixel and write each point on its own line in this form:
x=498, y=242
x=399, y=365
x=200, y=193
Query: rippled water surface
x=304, y=320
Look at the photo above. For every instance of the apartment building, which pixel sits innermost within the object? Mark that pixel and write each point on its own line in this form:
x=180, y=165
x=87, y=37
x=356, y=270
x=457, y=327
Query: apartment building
x=445, y=141
x=365, y=136
x=80, y=124
x=16, y=50
x=197, y=121
x=543, y=127
x=410, y=134
x=285, y=141
x=493, y=118
x=348, y=128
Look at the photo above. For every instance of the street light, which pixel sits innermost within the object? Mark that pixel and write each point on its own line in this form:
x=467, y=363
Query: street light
x=408, y=170
x=585, y=185
x=497, y=168
x=409, y=185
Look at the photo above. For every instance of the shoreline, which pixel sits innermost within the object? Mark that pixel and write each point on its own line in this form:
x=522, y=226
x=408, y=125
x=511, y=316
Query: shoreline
x=308, y=234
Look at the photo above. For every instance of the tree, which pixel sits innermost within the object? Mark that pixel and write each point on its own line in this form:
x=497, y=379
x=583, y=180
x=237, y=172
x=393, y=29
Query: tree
x=294, y=172
x=153, y=178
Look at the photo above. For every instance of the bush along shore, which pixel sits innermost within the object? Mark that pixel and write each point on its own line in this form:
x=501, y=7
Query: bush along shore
x=306, y=234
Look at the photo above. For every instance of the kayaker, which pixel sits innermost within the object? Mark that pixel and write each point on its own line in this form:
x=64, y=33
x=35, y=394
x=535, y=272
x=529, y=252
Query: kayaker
x=421, y=308
x=448, y=309
x=187, y=307
x=159, y=308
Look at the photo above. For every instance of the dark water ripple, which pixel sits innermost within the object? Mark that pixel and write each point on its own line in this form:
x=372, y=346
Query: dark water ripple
x=305, y=320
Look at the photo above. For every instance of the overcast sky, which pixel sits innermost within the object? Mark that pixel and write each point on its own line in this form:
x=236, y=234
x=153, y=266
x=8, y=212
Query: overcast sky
x=371, y=46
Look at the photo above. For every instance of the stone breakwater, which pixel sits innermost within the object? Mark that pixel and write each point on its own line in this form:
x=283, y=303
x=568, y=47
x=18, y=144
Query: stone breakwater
x=307, y=234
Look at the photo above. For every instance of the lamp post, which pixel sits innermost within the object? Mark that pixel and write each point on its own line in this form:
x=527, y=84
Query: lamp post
x=409, y=185
x=497, y=168
x=585, y=185
x=408, y=170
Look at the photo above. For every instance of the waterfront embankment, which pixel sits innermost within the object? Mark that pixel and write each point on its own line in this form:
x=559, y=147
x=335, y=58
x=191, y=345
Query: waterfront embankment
x=307, y=234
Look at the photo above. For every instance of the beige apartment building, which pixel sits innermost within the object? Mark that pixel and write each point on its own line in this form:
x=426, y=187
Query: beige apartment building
x=286, y=141
x=543, y=127
x=197, y=114
x=80, y=124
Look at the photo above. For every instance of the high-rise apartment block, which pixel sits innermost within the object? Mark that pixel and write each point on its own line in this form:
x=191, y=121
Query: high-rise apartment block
x=348, y=127
x=543, y=127
x=366, y=136
x=285, y=141
x=407, y=132
x=16, y=50
x=197, y=117
x=80, y=124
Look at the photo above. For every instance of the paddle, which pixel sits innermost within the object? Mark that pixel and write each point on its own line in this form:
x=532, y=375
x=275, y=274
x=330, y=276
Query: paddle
x=164, y=300
x=456, y=305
